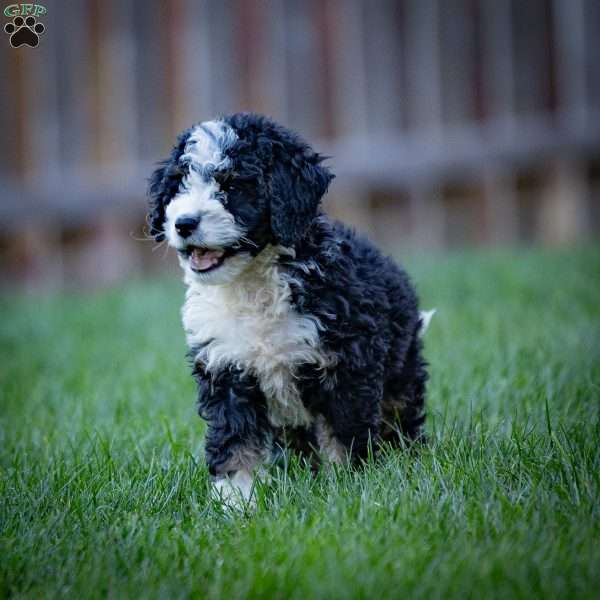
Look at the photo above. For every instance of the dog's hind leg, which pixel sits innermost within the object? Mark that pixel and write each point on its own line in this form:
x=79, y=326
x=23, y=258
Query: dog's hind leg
x=330, y=450
x=404, y=398
x=349, y=415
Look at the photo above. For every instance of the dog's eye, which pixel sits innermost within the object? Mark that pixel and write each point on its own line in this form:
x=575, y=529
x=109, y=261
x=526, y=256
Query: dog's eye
x=228, y=186
x=225, y=182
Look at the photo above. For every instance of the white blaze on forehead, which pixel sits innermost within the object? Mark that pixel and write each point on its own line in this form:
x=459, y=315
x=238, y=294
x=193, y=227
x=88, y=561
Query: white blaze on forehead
x=207, y=144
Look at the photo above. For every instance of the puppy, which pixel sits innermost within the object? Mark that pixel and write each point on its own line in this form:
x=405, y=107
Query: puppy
x=300, y=332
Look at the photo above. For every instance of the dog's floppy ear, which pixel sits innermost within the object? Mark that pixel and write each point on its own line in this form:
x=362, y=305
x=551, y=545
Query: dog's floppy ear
x=163, y=185
x=298, y=183
x=157, y=201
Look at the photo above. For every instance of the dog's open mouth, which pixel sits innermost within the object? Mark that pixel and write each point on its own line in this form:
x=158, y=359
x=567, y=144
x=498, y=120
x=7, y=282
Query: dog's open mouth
x=203, y=260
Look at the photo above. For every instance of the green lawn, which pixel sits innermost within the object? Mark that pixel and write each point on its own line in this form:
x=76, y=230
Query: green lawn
x=103, y=490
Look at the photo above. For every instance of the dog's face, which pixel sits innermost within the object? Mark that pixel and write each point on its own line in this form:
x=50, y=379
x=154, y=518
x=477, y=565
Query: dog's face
x=230, y=188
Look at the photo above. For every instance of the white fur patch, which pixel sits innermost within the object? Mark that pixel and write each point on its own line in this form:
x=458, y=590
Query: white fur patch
x=234, y=491
x=206, y=143
x=197, y=195
x=250, y=323
x=217, y=226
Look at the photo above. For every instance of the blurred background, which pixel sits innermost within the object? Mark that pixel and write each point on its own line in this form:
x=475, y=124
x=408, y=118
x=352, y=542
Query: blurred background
x=450, y=123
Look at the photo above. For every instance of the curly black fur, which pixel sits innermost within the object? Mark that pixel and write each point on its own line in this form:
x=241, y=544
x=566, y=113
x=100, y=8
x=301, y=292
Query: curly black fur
x=369, y=312
x=365, y=303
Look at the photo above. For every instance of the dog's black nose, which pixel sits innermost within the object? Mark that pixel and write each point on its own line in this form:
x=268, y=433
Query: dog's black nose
x=186, y=225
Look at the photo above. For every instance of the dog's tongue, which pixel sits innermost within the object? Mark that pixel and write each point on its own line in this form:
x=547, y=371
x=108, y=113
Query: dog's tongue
x=205, y=259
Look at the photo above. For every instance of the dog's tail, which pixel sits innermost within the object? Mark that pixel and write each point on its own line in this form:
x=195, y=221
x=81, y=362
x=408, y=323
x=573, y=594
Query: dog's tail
x=426, y=316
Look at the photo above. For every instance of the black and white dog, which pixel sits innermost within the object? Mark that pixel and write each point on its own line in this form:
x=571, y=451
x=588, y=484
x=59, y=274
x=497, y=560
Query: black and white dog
x=300, y=332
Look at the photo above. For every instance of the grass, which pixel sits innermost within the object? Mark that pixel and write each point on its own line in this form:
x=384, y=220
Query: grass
x=103, y=491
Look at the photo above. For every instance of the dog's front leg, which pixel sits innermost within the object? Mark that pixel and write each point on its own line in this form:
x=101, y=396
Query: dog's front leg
x=239, y=435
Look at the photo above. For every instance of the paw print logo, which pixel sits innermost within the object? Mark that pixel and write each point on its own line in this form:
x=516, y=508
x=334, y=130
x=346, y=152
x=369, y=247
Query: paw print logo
x=24, y=32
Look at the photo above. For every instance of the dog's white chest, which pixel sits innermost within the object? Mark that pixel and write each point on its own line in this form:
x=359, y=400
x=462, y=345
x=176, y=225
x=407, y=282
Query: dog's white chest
x=252, y=325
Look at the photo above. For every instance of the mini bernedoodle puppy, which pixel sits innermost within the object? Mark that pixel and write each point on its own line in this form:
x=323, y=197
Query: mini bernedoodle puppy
x=300, y=332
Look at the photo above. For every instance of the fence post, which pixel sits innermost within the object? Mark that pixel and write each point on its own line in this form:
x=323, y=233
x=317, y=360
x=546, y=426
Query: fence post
x=563, y=215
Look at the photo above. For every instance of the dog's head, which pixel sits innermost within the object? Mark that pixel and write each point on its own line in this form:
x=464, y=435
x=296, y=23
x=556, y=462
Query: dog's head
x=230, y=188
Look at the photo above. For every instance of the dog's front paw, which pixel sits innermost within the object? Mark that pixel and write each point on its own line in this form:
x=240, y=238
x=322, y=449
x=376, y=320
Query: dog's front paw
x=235, y=491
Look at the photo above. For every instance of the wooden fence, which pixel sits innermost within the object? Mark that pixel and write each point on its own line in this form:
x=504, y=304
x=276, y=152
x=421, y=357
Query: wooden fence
x=449, y=122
